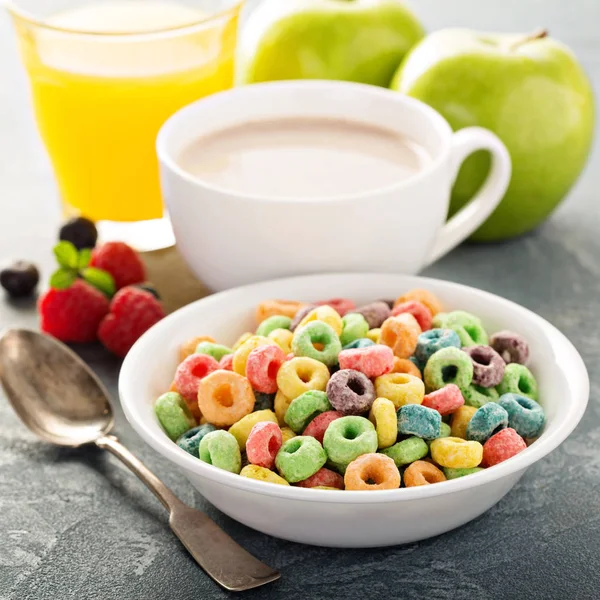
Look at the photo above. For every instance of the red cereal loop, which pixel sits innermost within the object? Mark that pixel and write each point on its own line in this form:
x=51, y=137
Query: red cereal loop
x=262, y=367
x=226, y=363
x=263, y=444
x=190, y=372
x=502, y=446
x=340, y=305
x=445, y=400
x=323, y=477
x=373, y=361
x=418, y=310
x=290, y=356
x=317, y=427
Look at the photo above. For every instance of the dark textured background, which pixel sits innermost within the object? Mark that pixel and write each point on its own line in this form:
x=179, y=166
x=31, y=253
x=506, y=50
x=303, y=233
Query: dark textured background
x=76, y=525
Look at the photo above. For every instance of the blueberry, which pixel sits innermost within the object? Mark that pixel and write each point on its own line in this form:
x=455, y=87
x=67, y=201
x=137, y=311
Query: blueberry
x=81, y=232
x=19, y=279
x=148, y=287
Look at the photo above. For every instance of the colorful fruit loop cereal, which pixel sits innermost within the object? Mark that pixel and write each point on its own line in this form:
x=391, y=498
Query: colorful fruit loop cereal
x=373, y=361
x=372, y=472
x=263, y=444
x=325, y=395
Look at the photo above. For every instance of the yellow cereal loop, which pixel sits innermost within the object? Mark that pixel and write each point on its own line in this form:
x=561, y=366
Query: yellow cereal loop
x=283, y=338
x=374, y=334
x=240, y=356
x=243, y=338
x=400, y=388
x=327, y=315
x=383, y=416
x=287, y=433
x=282, y=403
x=241, y=430
x=456, y=453
x=460, y=420
x=300, y=375
x=262, y=474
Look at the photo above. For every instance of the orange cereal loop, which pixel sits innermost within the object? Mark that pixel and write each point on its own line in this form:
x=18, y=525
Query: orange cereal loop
x=270, y=308
x=401, y=334
x=189, y=347
x=460, y=419
x=430, y=300
x=173, y=388
x=422, y=473
x=403, y=365
x=372, y=472
x=224, y=397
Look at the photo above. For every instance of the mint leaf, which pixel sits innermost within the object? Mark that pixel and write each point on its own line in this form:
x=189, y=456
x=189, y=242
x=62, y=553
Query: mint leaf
x=101, y=280
x=62, y=278
x=85, y=255
x=66, y=255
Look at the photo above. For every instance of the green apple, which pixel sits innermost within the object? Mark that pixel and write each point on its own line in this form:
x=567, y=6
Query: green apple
x=531, y=92
x=353, y=40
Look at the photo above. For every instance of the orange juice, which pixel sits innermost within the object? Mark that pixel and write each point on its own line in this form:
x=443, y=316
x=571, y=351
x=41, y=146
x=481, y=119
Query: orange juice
x=104, y=79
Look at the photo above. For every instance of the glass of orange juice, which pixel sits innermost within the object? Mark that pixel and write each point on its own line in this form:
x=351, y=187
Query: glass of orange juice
x=105, y=75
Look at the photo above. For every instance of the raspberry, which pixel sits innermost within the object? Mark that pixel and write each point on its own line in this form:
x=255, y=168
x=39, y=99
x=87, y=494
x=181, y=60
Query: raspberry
x=73, y=314
x=132, y=312
x=121, y=261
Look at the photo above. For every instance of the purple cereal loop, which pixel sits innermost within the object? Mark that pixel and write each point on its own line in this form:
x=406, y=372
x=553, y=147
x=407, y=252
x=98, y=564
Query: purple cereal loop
x=488, y=365
x=511, y=347
x=350, y=392
x=375, y=313
x=300, y=315
x=389, y=301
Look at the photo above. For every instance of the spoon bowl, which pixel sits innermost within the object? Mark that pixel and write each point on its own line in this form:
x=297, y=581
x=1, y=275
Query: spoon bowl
x=52, y=390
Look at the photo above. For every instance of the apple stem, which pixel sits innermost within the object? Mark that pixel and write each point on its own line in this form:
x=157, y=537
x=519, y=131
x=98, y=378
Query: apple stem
x=538, y=34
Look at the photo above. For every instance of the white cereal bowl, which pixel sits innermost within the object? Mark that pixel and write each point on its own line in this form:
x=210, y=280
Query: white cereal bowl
x=351, y=519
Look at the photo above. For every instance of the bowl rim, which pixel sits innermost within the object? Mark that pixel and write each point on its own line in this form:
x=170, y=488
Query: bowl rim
x=578, y=390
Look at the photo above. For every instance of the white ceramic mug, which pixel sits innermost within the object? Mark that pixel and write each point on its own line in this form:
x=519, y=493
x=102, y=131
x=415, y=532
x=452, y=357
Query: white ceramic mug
x=230, y=239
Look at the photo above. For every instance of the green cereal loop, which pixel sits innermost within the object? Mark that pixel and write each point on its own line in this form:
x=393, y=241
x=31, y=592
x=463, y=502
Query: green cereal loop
x=469, y=328
x=317, y=332
x=518, y=379
x=173, y=414
x=445, y=430
x=217, y=351
x=355, y=326
x=299, y=458
x=273, y=323
x=407, y=451
x=477, y=396
x=190, y=440
x=303, y=409
x=221, y=449
x=456, y=473
x=348, y=438
x=448, y=365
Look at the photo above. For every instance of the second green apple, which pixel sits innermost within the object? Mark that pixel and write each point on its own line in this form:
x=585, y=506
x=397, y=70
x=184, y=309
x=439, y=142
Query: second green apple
x=352, y=40
x=531, y=91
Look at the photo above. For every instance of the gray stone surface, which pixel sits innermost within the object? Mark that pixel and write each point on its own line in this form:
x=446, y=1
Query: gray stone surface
x=75, y=525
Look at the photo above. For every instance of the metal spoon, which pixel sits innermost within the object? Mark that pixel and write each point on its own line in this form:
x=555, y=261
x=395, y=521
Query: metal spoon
x=62, y=401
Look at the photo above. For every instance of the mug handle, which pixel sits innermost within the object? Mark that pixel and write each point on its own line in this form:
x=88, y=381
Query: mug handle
x=472, y=215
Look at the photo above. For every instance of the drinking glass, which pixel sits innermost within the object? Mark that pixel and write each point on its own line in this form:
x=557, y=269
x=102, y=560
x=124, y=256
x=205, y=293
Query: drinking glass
x=104, y=76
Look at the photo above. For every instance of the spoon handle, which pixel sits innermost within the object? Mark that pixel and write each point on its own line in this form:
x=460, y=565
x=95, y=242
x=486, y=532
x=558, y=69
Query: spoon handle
x=218, y=554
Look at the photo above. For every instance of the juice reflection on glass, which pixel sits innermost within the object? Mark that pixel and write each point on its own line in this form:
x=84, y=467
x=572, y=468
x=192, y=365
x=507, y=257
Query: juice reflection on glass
x=104, y=77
